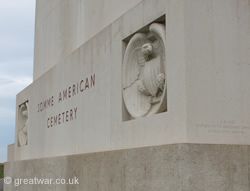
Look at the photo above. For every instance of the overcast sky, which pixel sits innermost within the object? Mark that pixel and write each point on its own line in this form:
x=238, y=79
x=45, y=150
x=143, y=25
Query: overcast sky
x=17, y=20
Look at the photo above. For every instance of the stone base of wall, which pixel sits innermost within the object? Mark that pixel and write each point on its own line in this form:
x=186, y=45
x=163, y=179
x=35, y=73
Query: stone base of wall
x=178, y=167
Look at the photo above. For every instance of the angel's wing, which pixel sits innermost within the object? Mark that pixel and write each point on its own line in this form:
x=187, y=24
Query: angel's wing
x=159, y=49
x=137, y=103
x=133, y=59
x=158, y=30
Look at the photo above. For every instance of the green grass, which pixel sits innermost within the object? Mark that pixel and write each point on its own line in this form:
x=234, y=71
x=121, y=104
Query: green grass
x=1, y=171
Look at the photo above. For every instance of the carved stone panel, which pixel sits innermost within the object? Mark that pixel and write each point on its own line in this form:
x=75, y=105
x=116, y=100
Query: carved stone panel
x=23, y=124
x=144, y=86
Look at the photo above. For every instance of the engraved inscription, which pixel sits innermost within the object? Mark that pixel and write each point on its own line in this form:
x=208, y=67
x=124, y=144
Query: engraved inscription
x=66, y=94
x=224, y=127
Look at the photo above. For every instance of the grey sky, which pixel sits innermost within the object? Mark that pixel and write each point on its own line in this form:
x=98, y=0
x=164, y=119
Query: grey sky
x=17, y=19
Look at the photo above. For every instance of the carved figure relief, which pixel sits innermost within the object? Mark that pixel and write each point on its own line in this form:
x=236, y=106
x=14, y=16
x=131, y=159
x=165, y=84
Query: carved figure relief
x=144, y=86
x=23, y=128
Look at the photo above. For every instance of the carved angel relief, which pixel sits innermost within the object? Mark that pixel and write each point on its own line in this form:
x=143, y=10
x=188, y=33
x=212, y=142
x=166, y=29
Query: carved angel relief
x=144, y=86
x=23, y=130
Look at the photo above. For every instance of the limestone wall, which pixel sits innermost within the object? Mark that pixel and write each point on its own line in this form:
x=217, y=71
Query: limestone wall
x=64, y=25
x=180, y=167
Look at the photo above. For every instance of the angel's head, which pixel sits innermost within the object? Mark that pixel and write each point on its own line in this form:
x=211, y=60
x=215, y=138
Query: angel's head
x=147, y=49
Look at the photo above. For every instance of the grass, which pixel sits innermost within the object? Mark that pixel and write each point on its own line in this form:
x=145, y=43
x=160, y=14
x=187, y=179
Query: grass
x=1, y=171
